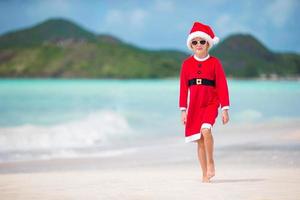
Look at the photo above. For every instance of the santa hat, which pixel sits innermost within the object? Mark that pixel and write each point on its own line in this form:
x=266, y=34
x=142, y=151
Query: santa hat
x=203, y=31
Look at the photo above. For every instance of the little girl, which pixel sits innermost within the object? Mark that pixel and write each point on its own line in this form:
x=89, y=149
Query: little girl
x=203, y=88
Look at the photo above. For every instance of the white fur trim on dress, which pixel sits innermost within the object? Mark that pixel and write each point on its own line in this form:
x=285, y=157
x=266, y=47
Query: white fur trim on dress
x=225, y=108
x=182, y=108
x=201, y=59
x=193, y=137
x=211, y=41
x=197, y=136
x=206, y=125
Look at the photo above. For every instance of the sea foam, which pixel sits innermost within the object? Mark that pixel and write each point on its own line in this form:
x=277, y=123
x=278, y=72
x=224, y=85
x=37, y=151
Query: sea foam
x=96, y=129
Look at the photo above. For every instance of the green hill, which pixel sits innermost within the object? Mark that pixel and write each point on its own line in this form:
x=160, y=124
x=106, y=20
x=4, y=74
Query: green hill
x=50, y=30
x=60, y=48
x=244, y=56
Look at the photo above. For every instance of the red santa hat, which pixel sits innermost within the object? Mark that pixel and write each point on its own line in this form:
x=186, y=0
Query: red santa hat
x=203, y=31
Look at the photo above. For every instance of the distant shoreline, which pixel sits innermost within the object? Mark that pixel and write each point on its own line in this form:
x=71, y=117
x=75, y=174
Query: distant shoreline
x=274, y=78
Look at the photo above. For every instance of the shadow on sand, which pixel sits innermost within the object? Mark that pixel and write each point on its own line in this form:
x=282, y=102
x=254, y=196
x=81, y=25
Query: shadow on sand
x=236, y=180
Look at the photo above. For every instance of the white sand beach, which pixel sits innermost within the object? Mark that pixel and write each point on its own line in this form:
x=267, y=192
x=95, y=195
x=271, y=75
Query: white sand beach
x=176, y=181
x=168, y=169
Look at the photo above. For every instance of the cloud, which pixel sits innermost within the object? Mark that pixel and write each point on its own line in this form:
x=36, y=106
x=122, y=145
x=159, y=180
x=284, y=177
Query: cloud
x=164, y=6
x=137, y=17
x=132, y=19
x=226, y=24
x=280, y=11
x=44, y=9
x=164, y=24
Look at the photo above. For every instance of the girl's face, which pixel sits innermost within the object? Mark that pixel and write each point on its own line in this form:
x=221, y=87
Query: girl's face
x=199, y=45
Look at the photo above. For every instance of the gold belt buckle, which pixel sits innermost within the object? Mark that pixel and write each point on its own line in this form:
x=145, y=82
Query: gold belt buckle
x=198, y=81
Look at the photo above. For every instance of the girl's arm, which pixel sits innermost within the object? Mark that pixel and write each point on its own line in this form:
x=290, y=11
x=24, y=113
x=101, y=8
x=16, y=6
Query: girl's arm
x=222, y=89
x=221, y=86
x=183, y=88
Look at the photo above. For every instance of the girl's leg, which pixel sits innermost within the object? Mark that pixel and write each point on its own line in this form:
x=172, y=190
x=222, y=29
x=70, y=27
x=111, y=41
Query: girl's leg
x=209, y=147
x=202, y=158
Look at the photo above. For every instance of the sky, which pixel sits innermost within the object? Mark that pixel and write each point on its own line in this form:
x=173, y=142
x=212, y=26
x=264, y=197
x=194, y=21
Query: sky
x=158, y=24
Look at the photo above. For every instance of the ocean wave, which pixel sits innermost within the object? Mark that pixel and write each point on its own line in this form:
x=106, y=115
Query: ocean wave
x=96, y=129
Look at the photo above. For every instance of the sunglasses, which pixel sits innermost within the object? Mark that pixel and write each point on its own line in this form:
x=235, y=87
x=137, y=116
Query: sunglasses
x=195, y=42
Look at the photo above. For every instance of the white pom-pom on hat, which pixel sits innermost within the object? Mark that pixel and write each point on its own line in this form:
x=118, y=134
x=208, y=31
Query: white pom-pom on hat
x=216, y=40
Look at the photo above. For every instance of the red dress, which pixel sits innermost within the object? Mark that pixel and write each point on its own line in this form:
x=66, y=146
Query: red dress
x=202, y=101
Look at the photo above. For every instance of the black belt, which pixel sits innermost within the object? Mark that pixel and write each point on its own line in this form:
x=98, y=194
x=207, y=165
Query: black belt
x=201, y=81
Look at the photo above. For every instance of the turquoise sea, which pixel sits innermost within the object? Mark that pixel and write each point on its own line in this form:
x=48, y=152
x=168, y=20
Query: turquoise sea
x=48, y=117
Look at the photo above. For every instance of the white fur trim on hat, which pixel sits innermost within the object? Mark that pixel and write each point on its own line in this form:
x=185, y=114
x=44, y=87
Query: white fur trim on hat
x=203, y=35
x=216, y=40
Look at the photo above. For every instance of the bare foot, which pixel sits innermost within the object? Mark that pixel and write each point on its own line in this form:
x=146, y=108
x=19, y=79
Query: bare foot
x=210, y=170
x=205, y=179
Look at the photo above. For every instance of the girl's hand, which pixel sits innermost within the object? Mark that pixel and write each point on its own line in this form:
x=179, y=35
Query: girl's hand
x=183, y=117
x=225, y=116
